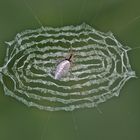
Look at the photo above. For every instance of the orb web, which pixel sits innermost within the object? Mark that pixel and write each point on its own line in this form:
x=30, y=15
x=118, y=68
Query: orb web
x=101, y=67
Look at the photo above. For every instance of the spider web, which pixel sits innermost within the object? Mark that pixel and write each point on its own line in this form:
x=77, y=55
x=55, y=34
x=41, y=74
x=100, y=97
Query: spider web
x=101, y=67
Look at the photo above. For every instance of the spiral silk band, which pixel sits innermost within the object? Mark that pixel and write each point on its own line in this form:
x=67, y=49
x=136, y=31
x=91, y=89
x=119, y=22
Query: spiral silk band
x=101, y=67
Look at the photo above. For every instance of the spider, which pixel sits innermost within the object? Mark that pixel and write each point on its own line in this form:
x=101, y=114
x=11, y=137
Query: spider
x=63, y=67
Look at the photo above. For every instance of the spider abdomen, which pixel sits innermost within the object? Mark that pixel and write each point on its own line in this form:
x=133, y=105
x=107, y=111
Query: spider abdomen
x=62, y=69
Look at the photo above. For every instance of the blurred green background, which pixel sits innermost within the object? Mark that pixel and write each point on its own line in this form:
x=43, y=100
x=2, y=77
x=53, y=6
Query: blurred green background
x=120, y=117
